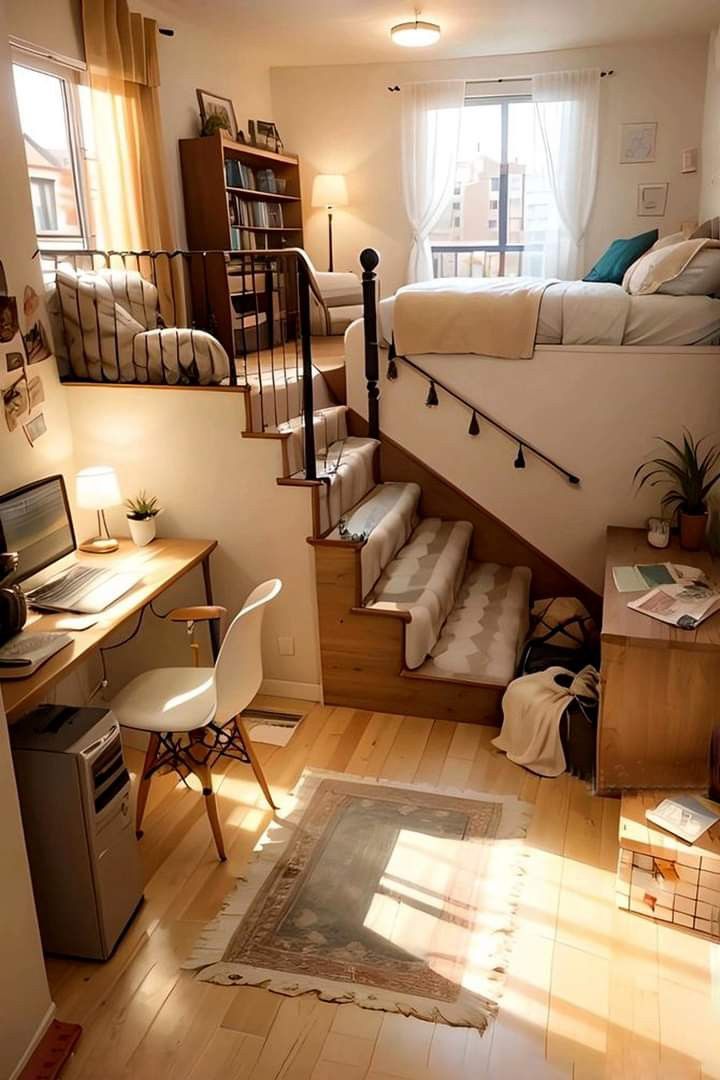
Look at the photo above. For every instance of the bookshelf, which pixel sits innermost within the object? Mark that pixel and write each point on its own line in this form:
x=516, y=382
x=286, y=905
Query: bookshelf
x=241, y=198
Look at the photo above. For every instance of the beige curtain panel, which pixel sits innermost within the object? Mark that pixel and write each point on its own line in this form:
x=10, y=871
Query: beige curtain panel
x=131, y=198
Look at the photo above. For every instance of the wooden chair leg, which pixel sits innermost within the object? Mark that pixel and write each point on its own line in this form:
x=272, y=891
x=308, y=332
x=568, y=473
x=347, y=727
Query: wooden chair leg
x=254, y=761
x=205, y=775
x=144, y=782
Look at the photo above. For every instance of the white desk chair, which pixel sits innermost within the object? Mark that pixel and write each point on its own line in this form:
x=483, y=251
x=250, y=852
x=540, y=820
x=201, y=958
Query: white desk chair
x=193, y=714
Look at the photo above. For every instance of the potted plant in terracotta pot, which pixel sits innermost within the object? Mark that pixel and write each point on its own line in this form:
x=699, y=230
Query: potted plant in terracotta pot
x=141, y=515
x=690, y=470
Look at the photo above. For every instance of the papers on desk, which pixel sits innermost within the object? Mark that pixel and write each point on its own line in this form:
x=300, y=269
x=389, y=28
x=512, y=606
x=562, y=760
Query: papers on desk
x=684, y=606
x=649, y=575
x=684, y=816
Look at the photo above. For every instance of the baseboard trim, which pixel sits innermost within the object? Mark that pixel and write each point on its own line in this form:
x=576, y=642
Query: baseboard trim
x=35, y=1041
x=285, y=688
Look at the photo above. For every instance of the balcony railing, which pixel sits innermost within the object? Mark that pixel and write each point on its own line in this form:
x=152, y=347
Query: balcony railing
x=467, y=259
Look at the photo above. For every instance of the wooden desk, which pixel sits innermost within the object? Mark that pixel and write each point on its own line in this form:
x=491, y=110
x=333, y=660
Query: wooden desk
x=160, y=564
x=660, y=696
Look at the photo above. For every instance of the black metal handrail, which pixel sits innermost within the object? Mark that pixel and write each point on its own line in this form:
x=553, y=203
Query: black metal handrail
x=369, y=260
x=266, y=333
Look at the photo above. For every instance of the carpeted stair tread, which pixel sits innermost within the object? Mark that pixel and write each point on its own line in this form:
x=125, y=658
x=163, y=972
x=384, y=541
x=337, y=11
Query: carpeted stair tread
x=348, y=473
x=483, y=635
x=330, y=425
x=386, y=517
x=276, y=394
x=423, y=579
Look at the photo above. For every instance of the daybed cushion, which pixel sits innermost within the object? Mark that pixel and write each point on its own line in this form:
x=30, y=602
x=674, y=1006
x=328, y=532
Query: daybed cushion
x=621, y=254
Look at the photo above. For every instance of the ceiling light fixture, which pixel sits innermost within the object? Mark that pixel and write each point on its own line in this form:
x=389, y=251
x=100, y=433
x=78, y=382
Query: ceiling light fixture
x=416, y=34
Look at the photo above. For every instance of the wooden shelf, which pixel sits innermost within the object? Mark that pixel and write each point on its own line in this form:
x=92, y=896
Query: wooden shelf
x=269, y=196
x=257, y=152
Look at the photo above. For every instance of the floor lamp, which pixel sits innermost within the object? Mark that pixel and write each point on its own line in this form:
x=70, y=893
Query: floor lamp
x=329, y=191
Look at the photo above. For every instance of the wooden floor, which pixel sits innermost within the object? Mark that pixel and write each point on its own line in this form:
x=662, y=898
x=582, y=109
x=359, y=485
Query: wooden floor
x=591, y=992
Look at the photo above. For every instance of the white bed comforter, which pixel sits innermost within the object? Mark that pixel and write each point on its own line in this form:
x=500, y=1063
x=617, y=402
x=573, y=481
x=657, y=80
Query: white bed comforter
x=593, y=313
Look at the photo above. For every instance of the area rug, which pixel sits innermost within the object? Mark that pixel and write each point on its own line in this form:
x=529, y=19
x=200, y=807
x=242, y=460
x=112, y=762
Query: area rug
x=270, y=726
x=393, y=897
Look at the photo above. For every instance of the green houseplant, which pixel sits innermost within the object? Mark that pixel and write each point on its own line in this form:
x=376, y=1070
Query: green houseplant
x=141, y=514
x=690, y=472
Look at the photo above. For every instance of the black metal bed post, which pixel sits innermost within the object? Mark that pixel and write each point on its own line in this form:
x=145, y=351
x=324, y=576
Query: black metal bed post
x=307, y=371
x=369, y=260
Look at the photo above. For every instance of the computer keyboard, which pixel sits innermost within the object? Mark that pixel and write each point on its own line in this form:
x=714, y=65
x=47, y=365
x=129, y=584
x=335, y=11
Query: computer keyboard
x=71, y=587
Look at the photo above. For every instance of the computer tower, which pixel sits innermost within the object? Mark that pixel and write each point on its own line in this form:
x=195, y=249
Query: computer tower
x=74, y=792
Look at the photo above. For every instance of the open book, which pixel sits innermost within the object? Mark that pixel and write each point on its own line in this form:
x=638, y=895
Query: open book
x=685, y=816
x=684, y=606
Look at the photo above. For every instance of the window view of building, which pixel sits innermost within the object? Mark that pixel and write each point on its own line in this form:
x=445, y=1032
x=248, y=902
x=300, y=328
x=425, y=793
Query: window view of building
x=502, y=212
x=52, y=157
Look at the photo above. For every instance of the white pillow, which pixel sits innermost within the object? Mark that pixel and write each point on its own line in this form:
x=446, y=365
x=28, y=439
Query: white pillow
x=701, y=277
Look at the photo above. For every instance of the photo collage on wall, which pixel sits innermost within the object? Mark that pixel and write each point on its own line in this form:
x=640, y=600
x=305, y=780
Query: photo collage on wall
x=24, y=341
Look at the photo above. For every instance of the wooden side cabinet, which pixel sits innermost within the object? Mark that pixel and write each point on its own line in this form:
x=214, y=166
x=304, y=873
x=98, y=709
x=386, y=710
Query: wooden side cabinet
x=660, y=686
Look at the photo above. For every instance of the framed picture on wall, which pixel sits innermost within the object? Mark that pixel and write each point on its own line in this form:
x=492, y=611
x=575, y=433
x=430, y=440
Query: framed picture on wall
x=652, y=200
x=637, y=143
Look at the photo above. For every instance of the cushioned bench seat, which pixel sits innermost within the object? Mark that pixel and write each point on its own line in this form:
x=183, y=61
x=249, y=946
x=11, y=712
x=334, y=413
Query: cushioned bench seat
x=482, y=638
x=423, y=580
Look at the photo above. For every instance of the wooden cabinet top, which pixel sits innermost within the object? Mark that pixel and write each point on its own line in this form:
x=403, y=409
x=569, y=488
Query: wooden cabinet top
x=628, y=547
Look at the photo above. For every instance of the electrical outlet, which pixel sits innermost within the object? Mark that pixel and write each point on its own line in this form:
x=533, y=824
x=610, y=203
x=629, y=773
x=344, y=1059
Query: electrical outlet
x=286, y=646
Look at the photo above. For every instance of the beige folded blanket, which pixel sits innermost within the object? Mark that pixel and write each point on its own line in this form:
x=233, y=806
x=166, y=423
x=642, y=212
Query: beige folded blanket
x=532, y=708
x=487, y=316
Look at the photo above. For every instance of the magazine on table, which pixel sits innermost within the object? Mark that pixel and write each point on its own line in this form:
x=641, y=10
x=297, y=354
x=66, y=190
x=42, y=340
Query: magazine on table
x=684, y=606
x=649, y=575
x=685, y=816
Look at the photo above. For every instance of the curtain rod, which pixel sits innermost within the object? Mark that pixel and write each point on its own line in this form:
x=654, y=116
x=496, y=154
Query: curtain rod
x=506, y=79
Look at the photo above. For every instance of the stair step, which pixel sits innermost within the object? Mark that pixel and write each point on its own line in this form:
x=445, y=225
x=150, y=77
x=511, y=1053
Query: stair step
x=330, y=426
x=386, y=517
x=348, y=473
x=485, y=631
x=423, y=580
x=276, y=395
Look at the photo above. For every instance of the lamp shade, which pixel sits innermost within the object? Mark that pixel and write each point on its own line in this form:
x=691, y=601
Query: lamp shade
x=415, y=35
x=329, y=190
x=97, y=488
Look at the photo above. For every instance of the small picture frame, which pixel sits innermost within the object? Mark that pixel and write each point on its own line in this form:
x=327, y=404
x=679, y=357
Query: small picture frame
x=637, y=143
x=213, y=105
x=652, y=200
x=264, y=133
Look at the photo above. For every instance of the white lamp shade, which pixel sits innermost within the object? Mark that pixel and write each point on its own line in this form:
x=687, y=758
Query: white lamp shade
x=329, y=190
x=97, y=488
x=415, y=35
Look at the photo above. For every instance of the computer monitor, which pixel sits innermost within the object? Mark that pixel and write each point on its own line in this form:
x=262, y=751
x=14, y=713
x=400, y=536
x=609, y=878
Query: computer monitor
x=35, y=522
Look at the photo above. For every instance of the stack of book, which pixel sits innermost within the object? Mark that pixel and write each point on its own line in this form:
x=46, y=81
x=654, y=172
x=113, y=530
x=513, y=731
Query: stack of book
x=239, y=175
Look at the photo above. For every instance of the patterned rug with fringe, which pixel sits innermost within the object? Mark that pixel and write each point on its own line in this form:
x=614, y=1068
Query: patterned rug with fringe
x=394, y=897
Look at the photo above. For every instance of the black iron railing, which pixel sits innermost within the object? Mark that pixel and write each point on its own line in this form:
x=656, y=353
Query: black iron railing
x=255, y=304
x=369, y=260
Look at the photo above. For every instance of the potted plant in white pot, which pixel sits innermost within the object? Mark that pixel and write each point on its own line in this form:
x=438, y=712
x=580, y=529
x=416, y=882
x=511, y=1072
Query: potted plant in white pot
x=690, y=471
x=141, y=515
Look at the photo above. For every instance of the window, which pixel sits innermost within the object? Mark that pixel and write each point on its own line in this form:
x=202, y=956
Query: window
x=49, y=107
x=507, y=212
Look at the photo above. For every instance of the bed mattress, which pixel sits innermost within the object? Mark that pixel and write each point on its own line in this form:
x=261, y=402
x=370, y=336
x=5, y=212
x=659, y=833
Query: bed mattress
x=588, y=313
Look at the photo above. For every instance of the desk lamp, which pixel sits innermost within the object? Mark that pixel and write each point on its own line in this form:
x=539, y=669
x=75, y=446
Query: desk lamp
x=97, y=489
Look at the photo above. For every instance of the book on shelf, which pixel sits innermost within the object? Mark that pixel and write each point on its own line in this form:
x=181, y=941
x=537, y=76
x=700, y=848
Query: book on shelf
x=242, y=239
x=685, y=816
x=239, y=175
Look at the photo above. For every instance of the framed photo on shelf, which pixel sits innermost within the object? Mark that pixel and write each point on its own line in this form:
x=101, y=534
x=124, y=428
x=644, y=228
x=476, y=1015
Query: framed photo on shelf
x=263, y=133
x=652, y=200
x=637, y=143
x=220, y=109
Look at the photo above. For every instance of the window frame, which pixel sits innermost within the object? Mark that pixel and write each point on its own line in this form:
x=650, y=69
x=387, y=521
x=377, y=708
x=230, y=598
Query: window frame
x=71, y=77
x=502, y=248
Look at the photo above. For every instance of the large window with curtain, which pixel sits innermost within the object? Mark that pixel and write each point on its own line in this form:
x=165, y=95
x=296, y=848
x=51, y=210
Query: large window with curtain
x=501, y=218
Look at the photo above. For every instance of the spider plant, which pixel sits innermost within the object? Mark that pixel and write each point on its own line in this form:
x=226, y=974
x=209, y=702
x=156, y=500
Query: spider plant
x=689, y=469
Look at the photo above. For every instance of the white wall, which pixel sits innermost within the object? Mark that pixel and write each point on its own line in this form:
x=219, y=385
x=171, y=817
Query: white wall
x=342, y=119
x=25, y=1004
x=185, y=447
x=596, y=411
x=210, y=51
x=710, y=155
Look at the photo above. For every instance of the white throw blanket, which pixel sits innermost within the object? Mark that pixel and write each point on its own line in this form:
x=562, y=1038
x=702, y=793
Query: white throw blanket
x=532, y=708
x=486, y=316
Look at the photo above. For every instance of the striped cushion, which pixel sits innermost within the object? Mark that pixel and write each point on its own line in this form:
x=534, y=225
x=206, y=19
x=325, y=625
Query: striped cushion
x=423, y=579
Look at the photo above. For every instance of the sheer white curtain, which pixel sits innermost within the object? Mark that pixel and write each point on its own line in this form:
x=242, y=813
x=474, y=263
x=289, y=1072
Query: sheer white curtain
x=568, y=108
x=431, y=115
